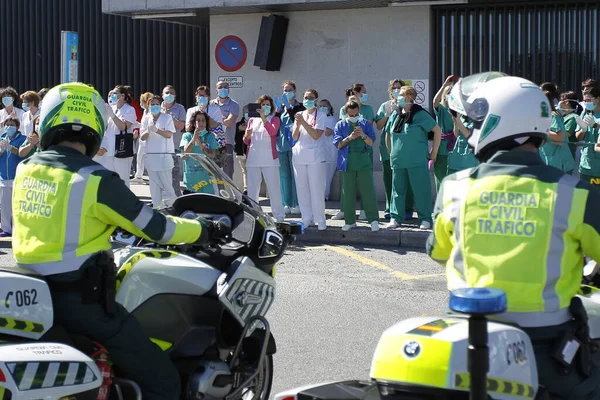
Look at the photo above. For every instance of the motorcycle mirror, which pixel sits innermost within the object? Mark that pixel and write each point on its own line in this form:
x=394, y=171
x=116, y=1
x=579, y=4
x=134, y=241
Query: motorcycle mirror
x=290, y=228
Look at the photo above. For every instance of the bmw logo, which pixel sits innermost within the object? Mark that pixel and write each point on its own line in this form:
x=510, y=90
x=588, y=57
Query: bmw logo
x=412, y=349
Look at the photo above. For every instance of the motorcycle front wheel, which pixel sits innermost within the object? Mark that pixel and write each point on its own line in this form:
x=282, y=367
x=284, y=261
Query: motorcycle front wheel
x=260, y=388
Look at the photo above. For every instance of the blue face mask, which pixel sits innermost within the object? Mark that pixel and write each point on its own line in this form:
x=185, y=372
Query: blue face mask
x=290, y=95
x=223, y=93
x=246, y=117
x=396, y=93
x=113, y=99
x=155, y=109
x=324, y=110
x=202, y=100
x=7, y=101
x=364, y=98
x=25, y=107
x=590, y=106
x=168, y=98
x=10, y=131
x=401, y=101
x=309, y=104
x=353, y=120
x=267, y=110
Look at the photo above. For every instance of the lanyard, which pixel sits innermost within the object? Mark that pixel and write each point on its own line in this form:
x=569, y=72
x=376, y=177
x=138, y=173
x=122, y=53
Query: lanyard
x=314, y=122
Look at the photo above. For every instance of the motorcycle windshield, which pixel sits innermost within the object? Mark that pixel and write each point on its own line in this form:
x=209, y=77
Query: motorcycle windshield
x=202, y=175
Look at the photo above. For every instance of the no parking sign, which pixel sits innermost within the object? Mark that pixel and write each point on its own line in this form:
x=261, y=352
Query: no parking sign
x=231, y=53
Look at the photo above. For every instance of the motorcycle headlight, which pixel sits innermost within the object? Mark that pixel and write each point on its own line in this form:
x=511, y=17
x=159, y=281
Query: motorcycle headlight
x=272, y=245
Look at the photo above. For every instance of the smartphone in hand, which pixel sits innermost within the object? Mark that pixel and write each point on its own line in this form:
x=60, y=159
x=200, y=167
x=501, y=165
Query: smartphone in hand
x=252, y=110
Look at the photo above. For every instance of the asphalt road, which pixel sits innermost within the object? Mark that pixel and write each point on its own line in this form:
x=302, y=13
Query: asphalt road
x=333, y=303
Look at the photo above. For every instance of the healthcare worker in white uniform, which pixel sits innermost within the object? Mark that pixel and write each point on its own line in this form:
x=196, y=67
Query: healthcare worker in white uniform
x=309, y=160
x=141, y=151
x=9, y=98
x=262, y=160
x=331, y=151
x=120, y=117
x=157, y=131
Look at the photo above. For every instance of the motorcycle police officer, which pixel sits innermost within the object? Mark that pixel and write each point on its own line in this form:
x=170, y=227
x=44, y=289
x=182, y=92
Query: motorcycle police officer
x=66, y=206
x=515, y=224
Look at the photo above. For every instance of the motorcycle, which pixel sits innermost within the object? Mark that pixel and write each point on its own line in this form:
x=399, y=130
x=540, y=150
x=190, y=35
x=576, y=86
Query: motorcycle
x=465, y=355
x=203, y=305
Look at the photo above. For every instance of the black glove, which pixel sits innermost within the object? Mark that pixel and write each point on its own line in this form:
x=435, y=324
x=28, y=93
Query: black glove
x=213, y=231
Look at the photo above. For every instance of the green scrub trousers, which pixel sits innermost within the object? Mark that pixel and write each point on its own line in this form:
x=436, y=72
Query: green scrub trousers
x=286, y=179
x=440, y=170
x=387, y=182
x=360, y=165
x=403, y=179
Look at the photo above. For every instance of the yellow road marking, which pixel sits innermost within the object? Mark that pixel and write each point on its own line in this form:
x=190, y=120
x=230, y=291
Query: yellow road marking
x=372, y=263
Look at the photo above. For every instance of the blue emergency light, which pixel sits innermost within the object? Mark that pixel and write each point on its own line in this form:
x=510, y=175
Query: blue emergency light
x=478, y=301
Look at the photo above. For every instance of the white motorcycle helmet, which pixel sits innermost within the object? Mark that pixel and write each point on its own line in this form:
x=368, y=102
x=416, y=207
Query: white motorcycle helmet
x=506, y=111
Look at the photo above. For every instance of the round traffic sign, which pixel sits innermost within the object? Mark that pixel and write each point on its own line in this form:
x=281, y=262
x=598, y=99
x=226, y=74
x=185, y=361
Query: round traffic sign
x=231, y=53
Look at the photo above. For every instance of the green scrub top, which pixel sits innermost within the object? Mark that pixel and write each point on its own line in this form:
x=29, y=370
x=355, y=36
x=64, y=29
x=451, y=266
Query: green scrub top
x=384, y=154
x=32, y=151
x=195, y=177
x=571, y=127
x=462, y=157
x=409, y=149
x=554, y=155
x=444, y=120
x=590, y=159
x=366, y=112
x=359, y=158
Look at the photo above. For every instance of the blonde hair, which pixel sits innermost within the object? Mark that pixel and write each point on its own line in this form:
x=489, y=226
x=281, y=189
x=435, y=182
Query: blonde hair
x=145, y=98
x=409, y=91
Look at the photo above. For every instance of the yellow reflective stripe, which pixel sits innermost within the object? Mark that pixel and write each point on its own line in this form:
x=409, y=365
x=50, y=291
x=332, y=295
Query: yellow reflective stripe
x=430, y=367
x=462, y=380
x=134, y=259
x=2, y=392
x=164, y=346
x=20, y=325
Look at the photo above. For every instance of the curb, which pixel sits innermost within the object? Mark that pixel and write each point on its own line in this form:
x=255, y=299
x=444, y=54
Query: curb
x=365, y=237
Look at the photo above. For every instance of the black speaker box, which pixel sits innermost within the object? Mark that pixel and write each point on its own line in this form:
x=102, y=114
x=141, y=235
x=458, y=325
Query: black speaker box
x=271, y=41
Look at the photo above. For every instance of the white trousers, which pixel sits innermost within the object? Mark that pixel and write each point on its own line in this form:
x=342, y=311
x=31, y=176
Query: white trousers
x=122, y=166
x=271, y=176
x=242, y=162
x=161, y=186
x=310, y=187
x=331, y=168
x=139, y=166
x=6, y=190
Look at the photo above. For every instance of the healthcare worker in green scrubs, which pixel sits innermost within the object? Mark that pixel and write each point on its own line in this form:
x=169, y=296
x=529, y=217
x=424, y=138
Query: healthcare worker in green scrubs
x=555, y=151
x=446, y=124
x=407, y=141
x=358, y=93
x=589, y=166
x=461, y=157
x=353, y=136
x=197, y=140
x=568, y=108
x=382, y=116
